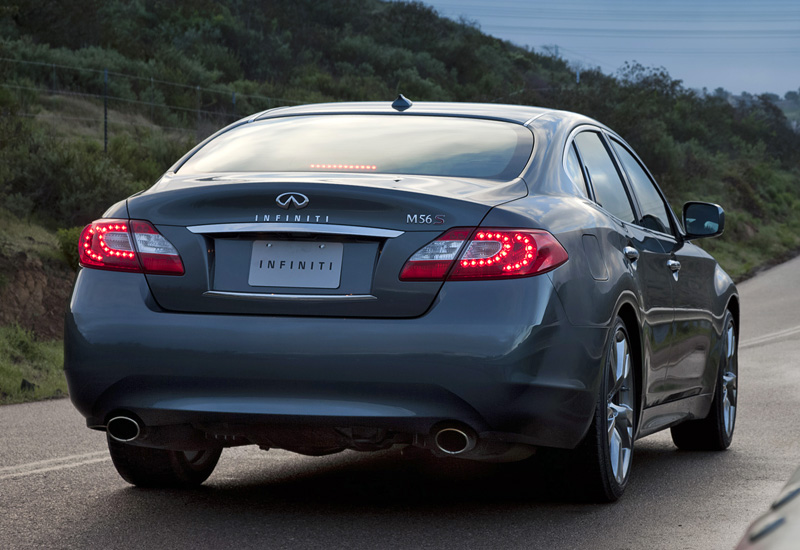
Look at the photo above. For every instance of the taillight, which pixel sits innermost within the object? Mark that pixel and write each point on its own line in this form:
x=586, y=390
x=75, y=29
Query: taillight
x=490, y=253
x=156, y=253
x=433, y=261
x=128, y=245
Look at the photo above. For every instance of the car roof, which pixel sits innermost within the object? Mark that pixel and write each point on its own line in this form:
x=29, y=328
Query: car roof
x=520, y=114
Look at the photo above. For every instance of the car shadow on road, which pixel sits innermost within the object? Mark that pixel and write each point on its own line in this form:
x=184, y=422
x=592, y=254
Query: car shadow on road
x=299, y=501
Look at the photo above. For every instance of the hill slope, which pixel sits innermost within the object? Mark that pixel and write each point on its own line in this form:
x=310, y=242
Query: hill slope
x=178, y=69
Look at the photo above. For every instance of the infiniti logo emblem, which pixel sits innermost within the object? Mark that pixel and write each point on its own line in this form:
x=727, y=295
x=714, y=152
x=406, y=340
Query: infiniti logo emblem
x=298, y=200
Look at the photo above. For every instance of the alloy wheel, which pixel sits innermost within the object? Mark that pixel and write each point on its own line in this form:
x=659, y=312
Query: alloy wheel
x=619, y=405
x=729, y=380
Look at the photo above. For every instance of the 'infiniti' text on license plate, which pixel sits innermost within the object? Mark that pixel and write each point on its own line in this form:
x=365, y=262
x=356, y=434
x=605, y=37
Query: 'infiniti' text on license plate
x=296, y=264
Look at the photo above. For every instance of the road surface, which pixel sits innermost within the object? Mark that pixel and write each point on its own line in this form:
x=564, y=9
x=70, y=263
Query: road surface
x=58, y=489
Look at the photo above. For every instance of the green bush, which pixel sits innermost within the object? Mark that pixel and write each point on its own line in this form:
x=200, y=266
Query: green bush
x=29, y=369
x=59, y=182
x=63, y=182
x=68, y=244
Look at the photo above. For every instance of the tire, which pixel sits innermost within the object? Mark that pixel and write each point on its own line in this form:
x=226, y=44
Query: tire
x=605, y=455
x=715, y=432
x=161, y=468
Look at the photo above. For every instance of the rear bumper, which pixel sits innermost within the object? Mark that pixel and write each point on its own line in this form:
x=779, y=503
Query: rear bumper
x=508, y=365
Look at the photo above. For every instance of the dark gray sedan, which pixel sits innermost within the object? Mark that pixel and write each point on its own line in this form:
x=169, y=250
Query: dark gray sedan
x=478, y=280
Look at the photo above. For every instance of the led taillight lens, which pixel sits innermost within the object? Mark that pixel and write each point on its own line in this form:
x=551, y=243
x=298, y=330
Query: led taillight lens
x=489, y=253
x=502, y=253
x=156, y=253
x=433, y=261
x=128, y=245
x=107, y=244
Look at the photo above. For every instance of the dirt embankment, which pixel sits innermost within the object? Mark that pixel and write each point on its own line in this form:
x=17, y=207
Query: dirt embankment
x=34, y=294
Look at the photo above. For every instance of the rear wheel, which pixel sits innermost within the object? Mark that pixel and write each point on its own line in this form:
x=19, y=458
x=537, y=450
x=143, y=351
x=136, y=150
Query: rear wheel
x=715, y=432
x=147, y=467
x=604, y=457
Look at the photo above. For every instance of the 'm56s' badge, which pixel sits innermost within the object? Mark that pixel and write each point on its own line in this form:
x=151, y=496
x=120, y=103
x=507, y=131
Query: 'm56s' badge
x=425, y=219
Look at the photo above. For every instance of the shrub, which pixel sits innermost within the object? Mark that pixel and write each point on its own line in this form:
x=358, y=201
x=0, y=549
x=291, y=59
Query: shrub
x=23, y=358
x=68, y=244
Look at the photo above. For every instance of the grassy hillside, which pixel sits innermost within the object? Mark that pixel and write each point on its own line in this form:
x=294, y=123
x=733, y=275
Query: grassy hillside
x=34, y=285
x=174, y=70
x=172, y=61
x=30, y=369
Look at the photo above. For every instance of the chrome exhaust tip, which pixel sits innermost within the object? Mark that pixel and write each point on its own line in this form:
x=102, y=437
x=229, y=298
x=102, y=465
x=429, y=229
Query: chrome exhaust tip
x=453, y=441
x=123, y=428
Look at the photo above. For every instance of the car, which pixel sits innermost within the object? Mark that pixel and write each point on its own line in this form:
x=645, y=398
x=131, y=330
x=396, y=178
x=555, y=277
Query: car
x=481, y=281
x=778, y=527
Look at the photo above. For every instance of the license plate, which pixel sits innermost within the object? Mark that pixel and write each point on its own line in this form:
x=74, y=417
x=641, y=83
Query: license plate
x=296, y=264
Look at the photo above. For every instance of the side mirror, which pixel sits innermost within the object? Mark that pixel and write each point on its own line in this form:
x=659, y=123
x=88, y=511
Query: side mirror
x=703, y=219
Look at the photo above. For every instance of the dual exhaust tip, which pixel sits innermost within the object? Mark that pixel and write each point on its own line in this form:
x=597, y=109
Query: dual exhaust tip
x=450, y=441
x=123, y=429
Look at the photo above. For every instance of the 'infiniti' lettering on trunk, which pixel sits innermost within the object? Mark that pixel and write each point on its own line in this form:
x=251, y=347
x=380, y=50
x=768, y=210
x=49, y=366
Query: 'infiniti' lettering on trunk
x=293, y=218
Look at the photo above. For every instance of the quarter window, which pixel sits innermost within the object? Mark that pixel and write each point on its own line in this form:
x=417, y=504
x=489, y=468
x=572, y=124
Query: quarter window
x=654, y=211
x=609, y=191
x=573, y=166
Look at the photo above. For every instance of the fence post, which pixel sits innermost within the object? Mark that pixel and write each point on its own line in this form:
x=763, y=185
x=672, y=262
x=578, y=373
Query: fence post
x=105, y=110
x=152, y=100
x=199, y=105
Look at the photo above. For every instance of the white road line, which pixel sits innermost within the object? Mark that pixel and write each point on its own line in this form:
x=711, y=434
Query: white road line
x=753, y=342
x=41, y=466
x=38, y=463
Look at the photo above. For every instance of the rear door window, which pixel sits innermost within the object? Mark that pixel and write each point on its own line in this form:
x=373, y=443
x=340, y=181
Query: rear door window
x=652, y=205
x=609, y=190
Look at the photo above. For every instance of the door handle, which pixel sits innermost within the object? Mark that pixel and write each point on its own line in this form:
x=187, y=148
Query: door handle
x=631, y=253
x=674, y=265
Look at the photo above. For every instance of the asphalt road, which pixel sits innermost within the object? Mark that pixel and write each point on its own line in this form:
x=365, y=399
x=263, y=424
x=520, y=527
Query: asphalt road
x=58, y=488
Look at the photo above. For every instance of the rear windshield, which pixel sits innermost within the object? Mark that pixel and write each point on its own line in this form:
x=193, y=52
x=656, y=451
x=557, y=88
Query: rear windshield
x=383, y=144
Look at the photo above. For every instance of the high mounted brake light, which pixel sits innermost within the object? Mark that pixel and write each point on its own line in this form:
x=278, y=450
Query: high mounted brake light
x=486, y=253
x=128, y=245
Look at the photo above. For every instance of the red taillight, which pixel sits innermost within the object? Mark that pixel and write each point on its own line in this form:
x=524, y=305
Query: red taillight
x=128, y=245
x=107, y=244
x=433, y=261
x=500, y=253
x=490, y=253
x=156, y=253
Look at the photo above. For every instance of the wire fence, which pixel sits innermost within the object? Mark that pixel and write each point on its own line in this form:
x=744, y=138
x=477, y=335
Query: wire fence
x=112, y=99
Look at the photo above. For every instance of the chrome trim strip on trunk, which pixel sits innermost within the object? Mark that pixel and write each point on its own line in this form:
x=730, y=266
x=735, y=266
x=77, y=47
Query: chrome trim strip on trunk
x=290, y=297
x=324, y=229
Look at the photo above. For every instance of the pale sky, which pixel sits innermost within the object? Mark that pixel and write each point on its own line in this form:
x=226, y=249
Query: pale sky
x=740, y=45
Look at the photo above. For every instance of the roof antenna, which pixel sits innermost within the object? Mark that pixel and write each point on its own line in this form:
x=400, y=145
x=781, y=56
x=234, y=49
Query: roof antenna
x=401, y=103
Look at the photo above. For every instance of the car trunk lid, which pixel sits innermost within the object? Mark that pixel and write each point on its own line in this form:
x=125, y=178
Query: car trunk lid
x=306, y=245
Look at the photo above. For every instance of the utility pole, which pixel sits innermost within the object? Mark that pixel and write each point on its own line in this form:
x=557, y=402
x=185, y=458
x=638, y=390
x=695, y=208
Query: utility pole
x=105, y=110
x=152, y=100
x=199, y=105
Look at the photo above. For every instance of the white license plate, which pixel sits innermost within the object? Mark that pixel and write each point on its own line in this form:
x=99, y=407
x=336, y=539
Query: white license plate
x=296, y=264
